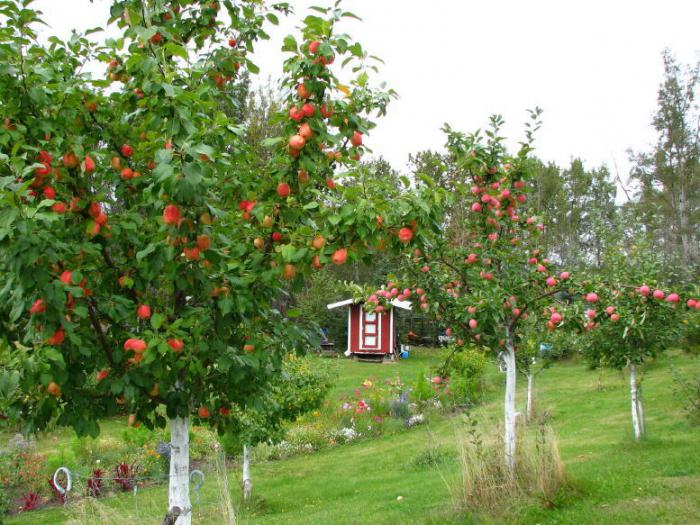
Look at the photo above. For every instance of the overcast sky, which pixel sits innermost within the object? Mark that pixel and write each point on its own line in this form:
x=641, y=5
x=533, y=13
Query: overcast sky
x=594, y=67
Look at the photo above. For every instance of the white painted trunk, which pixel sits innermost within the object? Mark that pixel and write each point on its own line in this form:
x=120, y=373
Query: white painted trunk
x=247, y=482
x=633, y=399
x=179, y=489
x=530, y=381
x=509, y=405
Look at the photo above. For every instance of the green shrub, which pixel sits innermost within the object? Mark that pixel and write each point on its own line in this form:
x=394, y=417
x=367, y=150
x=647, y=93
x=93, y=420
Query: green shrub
x=466, y=371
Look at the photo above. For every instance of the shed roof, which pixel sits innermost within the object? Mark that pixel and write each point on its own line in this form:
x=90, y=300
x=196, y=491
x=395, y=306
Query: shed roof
x=404, y=305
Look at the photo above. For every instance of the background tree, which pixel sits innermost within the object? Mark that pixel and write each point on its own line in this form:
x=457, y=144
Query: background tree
x=668, y=178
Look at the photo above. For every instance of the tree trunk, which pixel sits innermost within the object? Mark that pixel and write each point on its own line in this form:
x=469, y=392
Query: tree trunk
x=635, y=410
x=247, y=482
x=179, y=489
x=530, y=381
x=509, y=404
x=684, y=223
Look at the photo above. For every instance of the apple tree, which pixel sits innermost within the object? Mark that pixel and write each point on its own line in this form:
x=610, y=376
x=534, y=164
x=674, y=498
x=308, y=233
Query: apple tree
x=489, y=282
x=634, y=319
x=143, y=246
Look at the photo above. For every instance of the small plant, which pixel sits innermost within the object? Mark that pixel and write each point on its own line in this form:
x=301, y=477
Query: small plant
x=125, y=475
x=94, y=483
x=30, y=501
x=57, y=494
x=431, y=456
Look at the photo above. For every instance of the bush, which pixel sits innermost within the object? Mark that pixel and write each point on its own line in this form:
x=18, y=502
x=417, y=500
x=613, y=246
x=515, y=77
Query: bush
x=466, y=370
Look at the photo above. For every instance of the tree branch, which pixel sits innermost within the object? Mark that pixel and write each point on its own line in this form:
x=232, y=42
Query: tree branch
x=92, y=311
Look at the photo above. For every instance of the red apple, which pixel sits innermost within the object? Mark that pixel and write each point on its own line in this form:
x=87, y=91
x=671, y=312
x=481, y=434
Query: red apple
x=296, y=142
x=339, y=256
x=405, y=235
x=203, y=242
x=658, y=294
x=171, y=214
x=592, y=297
x=308, y=109
x=673, y=298
x=143, y=311
x=356, y=139
x=127, y=151
x=176, y=344
x=283, y=190
x=88, y=165
x=57, y=337
x=305, y=131
x=38, y=307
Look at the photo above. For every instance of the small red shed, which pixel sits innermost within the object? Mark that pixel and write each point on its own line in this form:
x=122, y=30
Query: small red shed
x=371, y=333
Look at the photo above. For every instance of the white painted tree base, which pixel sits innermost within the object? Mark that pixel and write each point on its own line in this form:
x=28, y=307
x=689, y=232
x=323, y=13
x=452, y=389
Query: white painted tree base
x=636, y=423
x=179, y=487
x=247, y=482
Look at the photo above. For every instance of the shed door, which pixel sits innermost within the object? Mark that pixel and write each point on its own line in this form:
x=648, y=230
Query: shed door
x=370, y=331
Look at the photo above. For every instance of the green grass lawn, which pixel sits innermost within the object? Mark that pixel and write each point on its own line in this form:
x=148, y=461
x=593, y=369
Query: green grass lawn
x=614, y=480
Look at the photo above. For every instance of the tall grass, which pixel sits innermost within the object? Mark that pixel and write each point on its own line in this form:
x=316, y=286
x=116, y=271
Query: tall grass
x=486, y=486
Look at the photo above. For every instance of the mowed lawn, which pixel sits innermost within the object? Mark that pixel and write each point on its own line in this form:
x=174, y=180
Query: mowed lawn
x=379, y=481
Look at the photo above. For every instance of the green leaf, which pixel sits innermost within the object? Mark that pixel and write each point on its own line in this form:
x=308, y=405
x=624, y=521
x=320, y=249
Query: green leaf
x=272, y=141
x=164, y=156
x=145, y=252
x=157, y=320
x=289, y=44
x=293, y=312
x=288, y=251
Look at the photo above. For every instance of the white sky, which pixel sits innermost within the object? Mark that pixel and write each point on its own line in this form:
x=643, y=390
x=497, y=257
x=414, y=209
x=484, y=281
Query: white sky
x=593, y=66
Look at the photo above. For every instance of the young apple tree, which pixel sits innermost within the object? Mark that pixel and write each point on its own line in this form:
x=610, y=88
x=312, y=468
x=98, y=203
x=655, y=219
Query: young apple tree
x=144, y=248
x=489, y=282
x=634, y=319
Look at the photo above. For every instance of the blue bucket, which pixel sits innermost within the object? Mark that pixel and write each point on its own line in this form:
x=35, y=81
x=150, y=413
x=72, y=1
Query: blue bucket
x=404, y=354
